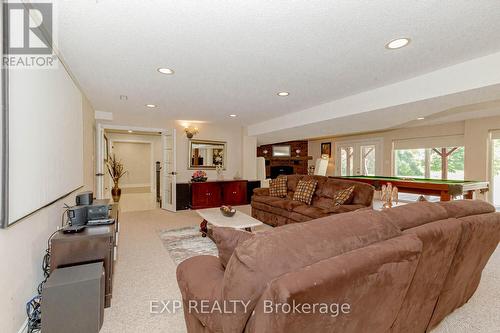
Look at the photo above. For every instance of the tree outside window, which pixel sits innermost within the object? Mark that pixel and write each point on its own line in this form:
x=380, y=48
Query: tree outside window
x=429, y=163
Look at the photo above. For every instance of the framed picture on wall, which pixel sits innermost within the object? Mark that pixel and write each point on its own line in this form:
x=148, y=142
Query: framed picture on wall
x=326, y=149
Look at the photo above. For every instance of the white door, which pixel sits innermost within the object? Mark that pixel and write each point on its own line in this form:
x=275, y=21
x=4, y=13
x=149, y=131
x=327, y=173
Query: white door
x=169, y=171
x=359, y=158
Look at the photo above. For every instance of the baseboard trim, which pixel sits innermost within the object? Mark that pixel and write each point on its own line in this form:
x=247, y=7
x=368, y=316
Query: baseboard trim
x=24, y=327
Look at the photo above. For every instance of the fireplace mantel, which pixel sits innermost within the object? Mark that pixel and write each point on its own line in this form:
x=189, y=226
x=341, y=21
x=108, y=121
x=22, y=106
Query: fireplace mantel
x=299, y=163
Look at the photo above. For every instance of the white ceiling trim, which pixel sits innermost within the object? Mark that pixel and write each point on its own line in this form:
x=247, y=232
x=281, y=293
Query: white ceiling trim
x=473, y=74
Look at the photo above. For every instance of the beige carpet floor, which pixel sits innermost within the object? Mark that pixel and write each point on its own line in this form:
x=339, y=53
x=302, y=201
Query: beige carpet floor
x=145, y=272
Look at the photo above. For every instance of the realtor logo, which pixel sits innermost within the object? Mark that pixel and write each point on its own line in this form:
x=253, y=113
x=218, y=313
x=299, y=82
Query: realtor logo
x=28, y=34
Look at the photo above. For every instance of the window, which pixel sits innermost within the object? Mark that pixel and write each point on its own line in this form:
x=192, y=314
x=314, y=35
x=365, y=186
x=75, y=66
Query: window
x=437, y=163
x=346, y=161
x=368, y=160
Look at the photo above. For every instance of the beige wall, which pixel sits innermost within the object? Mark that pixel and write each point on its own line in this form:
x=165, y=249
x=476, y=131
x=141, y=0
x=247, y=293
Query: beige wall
x=241, y=148
x=137, y=159
x=475, y=132
x=23, y=244
x=233, y=135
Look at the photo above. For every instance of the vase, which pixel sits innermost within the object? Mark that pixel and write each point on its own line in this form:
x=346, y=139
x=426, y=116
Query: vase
x=116, y=193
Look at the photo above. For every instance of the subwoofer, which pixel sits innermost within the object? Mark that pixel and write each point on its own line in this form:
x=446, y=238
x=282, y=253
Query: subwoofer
x=73, y=299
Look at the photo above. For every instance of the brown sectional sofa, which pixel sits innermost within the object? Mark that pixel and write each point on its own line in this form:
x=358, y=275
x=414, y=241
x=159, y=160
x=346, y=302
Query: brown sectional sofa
x=280, y=211
x=401, y=270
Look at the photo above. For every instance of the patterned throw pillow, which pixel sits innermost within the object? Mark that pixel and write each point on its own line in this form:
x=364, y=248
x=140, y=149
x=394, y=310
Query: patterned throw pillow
x=278, y=187
x=341, y=197
x=305, y=191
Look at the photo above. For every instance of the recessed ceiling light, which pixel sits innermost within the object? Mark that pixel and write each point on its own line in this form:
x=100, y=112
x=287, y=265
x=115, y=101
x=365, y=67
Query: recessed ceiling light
x=397, y=43
x=151, y=105
x=283, y=93
x=232, y=115
x=166, y=71
x=130, y=131
x=420, y=118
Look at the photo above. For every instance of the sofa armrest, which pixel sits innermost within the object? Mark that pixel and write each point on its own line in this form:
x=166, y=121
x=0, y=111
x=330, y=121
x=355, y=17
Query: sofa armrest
x=261, y=191
x=201, y=278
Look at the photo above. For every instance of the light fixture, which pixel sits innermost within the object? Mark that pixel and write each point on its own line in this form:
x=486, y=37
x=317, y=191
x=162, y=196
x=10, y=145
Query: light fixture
x=191, y=131
x=397, y=43
x=420, y=118
x=283, y=93
x=151, y=106
x=166, y=71
x=130, y=131
x=232, y=115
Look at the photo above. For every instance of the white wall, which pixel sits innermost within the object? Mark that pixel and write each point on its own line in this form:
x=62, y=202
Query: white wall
x=23, y=244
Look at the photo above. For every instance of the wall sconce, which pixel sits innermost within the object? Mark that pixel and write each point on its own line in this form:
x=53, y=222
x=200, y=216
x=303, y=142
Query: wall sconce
x=191, y=131
x=297, y=152
x=265, y=151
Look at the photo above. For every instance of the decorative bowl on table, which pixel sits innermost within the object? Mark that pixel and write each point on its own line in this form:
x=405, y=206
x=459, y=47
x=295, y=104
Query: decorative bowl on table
x=227, y=211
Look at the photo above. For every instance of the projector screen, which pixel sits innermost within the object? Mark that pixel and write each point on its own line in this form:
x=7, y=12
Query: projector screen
x=44, y=139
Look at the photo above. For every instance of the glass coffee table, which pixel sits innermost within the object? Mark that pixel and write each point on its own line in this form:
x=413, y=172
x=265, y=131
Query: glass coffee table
x=213, y=216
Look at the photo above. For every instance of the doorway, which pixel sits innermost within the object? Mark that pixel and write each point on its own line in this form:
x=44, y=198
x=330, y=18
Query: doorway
x=138, y=184
x=148, y=156
x=360, y=157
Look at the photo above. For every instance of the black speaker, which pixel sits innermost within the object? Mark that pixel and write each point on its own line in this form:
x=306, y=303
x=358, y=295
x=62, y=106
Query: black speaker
x=77, y=215
x=84, y=198
x=73, y=299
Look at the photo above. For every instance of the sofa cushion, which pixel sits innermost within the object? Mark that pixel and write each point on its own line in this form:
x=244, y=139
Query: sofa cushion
x=287, y=205
x=343, y=196
x=305, y=191
x=266, y=199
x=463, y=208
x=292, y=181
x=227, y=239
x=272, y=253
x=415, y=214
x=310, y=211
x=271, y=209
x=363, y=193
x=278, y=187
x=373, y=280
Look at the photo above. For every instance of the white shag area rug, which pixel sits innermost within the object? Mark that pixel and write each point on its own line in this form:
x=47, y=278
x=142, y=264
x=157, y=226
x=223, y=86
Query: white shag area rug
x=187, y=242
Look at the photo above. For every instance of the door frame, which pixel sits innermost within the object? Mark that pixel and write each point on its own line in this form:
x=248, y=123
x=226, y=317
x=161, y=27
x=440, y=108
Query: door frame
x=378, y=142
x=172, y=175
x=99, y=156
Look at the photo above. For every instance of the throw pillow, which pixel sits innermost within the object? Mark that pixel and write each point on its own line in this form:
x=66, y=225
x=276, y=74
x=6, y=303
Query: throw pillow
x=342, y=196
x=278, y=187
x=227, y=239
x=305, y=191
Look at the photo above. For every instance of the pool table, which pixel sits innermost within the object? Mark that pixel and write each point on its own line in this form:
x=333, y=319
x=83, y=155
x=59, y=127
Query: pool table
x=445, y=189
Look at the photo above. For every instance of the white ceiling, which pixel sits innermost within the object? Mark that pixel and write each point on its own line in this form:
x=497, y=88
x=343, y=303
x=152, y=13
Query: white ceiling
x=233, y=56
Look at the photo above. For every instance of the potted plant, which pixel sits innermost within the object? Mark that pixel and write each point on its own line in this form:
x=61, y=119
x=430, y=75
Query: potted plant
x=116, y=171
x=199, y=176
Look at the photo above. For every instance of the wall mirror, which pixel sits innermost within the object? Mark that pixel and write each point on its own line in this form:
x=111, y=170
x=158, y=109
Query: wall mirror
x=205, y=154
x=282, y=151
